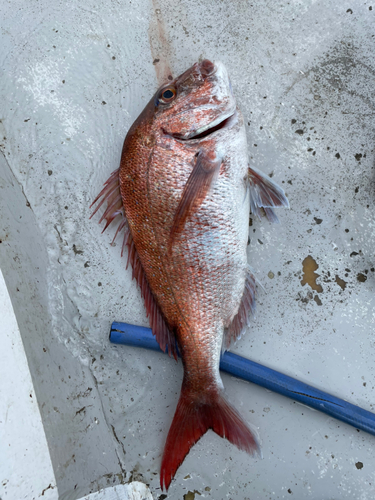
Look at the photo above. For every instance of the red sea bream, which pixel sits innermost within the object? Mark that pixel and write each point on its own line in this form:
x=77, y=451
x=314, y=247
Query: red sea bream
x=182, y=196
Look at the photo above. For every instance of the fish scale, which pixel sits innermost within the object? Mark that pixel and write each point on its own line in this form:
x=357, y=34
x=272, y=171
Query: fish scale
x=186, y=190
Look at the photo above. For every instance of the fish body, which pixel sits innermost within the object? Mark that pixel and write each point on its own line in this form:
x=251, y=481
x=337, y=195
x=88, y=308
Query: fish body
x=184, y=190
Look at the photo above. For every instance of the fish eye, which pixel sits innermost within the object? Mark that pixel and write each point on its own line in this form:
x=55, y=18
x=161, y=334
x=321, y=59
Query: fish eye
x=167, y=95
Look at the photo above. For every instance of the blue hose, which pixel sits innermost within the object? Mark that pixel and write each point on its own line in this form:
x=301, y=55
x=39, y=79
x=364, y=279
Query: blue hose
x=137, y=336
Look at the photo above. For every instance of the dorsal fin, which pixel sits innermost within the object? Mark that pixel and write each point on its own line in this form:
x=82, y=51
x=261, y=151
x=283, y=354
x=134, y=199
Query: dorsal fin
x=247, y=309
x=158, y=324
x=112, y=195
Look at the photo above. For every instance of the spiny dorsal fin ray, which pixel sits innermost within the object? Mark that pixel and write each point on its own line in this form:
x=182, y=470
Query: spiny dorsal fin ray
x=112, y=195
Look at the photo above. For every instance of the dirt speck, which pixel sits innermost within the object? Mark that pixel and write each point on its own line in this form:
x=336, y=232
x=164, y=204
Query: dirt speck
x=361, y=277
x=317, y=300
x=340, y=282
x=76, y=251
x=359, y=465
x=49, y=487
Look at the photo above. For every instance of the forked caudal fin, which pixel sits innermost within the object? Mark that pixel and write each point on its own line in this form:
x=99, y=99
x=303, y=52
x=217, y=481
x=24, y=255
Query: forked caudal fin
x=192, y=419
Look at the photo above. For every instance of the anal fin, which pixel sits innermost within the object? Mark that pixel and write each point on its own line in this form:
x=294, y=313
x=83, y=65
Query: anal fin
x=246, y=310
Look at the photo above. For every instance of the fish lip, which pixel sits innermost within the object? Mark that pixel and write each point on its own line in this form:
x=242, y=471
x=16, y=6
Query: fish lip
x=215, y=125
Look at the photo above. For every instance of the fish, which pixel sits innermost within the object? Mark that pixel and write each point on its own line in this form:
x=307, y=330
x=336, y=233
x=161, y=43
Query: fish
x=182, y=197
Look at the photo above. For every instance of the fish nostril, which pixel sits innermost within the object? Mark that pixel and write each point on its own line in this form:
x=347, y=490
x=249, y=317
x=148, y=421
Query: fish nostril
x=207, y=68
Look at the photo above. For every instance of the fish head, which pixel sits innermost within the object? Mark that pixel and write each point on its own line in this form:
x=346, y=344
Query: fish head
x=195, y=103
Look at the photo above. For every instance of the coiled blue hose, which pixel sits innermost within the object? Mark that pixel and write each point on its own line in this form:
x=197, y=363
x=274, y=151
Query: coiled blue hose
x=137, y=336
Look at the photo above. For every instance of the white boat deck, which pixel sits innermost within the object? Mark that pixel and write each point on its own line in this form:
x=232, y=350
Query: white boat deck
x=75, y=76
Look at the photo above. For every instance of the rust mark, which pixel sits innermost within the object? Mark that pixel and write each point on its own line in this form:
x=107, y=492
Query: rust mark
x=160, y=47
x=309, y=276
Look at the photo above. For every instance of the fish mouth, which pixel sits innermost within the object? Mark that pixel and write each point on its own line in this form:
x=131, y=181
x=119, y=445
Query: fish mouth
x=219, y=124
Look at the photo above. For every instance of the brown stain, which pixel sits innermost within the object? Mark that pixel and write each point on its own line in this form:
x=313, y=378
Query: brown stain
x=340, y=282
x=309, y=276
x=160, y=47
x=190, y=495
x=317, y=300
x=361, y=277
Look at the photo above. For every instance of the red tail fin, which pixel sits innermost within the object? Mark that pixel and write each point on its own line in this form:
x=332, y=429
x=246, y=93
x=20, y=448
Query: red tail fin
x=192, y=419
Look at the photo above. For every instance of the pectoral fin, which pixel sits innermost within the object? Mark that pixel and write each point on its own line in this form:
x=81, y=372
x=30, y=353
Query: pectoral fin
x=206, y=168
x=264, y=193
